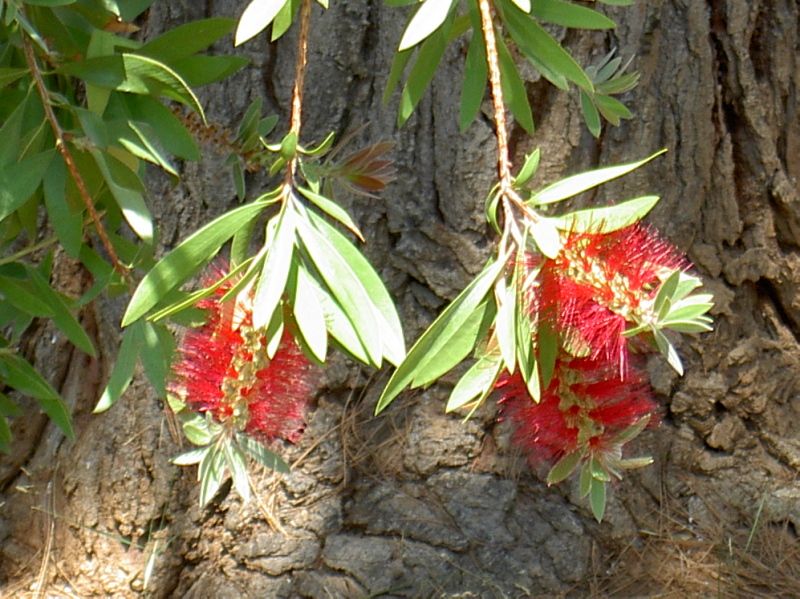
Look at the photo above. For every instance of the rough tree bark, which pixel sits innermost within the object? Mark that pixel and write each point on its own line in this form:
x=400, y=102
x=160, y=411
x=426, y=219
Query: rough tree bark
x=415, y=503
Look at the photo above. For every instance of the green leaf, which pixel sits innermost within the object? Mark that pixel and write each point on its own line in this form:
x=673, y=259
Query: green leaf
x=332, y=209
x=170, y=132
x=137, y=141
x=191, y=457
x=547, y=346
x=428, y=18
x=567, y=14
x=421, y=74
x=598, y=499
x=339, y=326
x=183, y=261
x=345, y=285
x=446, y=332
x=67, y=224
x=212, y=475
x=687, y=326
x=9, y=75
x=536, y=43
x=528, y=170
x=20, y=375
x=17, y=293
x=564, y=467
x=631, y=432
x=185, y=40
x=272, y=281
x=396, y=71
x=572, y=186
x=612, y=109
x=585, y=482
x=668, y=350
x=309, y=314
x=124, y=367
x=156, y=355
x=474, y=87
x=8, y=407
x=130, y=201
x=261, y=454
x=606, y=219
x=283, y=20
x=5, y=435
x=394, y=349
x=590, y=114
x=61, y=313
x=196, y=429
x=255, y=18
x=19, y=181
x=514, y=92
x=505, y=326
x=234, y=457
x=546, y=237
x=135, y=74
x=477, y=382
x=666, y=290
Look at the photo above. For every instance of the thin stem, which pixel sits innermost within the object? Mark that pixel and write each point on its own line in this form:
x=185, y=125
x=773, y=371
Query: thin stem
x=503, y=161
x=62, y=148
x=297, y=92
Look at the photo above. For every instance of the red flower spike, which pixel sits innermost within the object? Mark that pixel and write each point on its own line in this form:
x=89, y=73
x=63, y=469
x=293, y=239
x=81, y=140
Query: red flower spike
x=223, y=369
x=585, y=406
x=598, y=283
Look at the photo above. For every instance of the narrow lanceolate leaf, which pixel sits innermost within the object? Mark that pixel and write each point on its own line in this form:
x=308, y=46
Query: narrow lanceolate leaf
x=182, y=262
x=504, y=328
x=567, y=14
x=130, y=201
x=443, y=333
x=546, y=237
x=428, y=18
x=272, y=282
x=346, y=287
x=421, y=74
x=597, y=499
x=124, y=367
x=393, y=343
x=185, y=40
x=607, y=219
x=62, y=316
x=212, y=474
x=332, y=209
x=19, y=181
x=536, y=43
x=191, y=457
x=20, y=375
x=572, y=186
x=234, y=458
x=255, y=18
x=514, y=91
x=261, y=454
x=309, y=314
x=668, y=350
x=564, y=467
x=528, y=170
x=477, y=382
x=474, y=87
x=339, y=326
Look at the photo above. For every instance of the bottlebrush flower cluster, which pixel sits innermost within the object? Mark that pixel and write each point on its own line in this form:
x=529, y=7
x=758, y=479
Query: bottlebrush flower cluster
x=223, y=369
x=599, y=286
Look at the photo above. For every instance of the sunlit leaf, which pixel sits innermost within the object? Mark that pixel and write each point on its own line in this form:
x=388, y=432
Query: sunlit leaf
x=607, y=219
x=427, y=19
x=255, y=18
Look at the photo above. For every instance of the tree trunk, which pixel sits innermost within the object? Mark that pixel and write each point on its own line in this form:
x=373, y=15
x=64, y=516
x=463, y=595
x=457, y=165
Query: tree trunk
x=415, y=503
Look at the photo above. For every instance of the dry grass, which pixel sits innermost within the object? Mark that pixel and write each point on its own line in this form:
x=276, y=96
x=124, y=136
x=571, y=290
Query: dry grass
x=714, y=559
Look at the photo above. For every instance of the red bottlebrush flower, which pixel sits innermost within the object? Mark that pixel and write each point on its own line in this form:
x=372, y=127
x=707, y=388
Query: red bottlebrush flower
x=599, y=282
x=585, y=406
x=223, y=368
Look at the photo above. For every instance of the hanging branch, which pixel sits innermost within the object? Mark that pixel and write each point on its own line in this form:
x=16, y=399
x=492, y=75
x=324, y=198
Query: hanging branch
x=61, y=145
x=297, y=92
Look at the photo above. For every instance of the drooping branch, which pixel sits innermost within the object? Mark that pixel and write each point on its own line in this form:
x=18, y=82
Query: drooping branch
x=503, y=160
x=62, y=148
x=299, y=79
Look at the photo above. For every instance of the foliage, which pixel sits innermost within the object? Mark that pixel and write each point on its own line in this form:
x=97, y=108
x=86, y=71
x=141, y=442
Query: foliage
x=554, y=321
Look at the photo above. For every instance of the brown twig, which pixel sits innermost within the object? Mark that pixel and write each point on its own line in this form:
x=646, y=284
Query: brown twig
x=503, y=160
x=62, y=148
x=297, y=92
